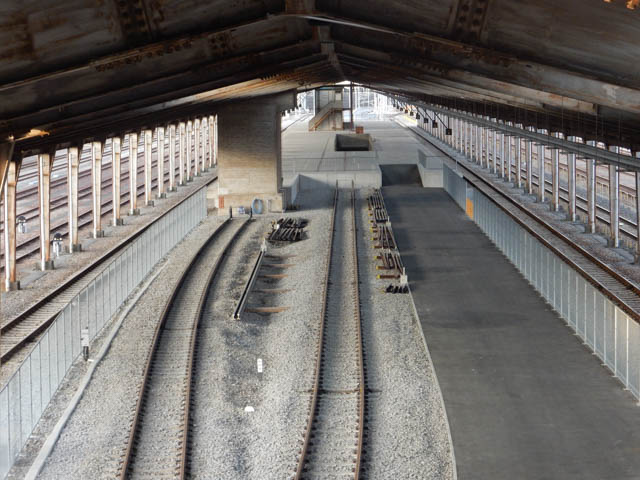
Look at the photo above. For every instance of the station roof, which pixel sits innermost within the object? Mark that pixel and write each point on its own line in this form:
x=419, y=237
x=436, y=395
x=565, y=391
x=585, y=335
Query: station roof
x=83, y=68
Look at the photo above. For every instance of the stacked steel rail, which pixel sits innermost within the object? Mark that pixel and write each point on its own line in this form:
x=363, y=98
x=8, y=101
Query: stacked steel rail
x=319, y=432
x=287, y=230
x=169, y=368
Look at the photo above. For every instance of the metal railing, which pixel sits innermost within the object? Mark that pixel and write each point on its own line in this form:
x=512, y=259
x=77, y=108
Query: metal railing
x=607, y=330
x=27, y=394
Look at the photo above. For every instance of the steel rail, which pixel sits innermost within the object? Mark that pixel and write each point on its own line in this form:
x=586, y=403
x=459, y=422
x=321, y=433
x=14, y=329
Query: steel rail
x=247, y=288
x=319, y=351
x=153, y=349
x=318, y=366
x=88, y=270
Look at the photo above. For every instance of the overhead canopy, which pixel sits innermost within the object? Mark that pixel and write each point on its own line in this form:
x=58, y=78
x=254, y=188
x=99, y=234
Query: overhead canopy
x=83, y=68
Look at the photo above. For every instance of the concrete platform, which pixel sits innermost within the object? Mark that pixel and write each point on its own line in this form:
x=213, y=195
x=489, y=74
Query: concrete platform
x=524, y=398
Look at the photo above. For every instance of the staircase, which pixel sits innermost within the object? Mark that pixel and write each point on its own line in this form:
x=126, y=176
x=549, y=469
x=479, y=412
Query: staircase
x=324, y=112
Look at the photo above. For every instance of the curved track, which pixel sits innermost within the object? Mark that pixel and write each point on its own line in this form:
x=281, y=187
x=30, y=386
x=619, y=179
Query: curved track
x=157, y=445
x=335, y=427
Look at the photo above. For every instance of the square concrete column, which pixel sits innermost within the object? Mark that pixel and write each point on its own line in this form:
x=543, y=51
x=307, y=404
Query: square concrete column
x=591, y=192
x=116, y=174
x=614, y=203
x=541, y=173
x=10, y=241
x=182, y=149
x=506, y=152
x=44, y=201
x=571, y=164
x=555, y=178
x=211, y=127
x=196, y=146
x=203, y=144
x=518, y=162
x=73, y=163
x=637, y=175
x=133, y=174
x=249, y=170
x=160, y=148
x=148, y=144
x=189, y=146
x=485, y=142
x=96, y=192
x=172, y=158
x=528, y=153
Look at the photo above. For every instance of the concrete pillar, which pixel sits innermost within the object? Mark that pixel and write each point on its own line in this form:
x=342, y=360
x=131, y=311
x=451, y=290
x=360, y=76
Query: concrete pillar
x=494, y=148
x=485, y=132
x=541, y=174
x=73, y=163
x=189, y=156
x=210, y=142
x=96, y=191
x=10, y=240
x=172, y=158
x=160, y=148
x=501, y=147
x=518, y=162
x=506, y=148
x=44, y=200
x=591, y=192
x=571, y=164
x=215, y=140
x=133, y=174
x=614, y=202
x=148, y=144
x=555, y=177
x=196, y=146
x=203, y=144
x=528, y=152
x=638, y=217
x=251, y=169
x=116, y=171
x=182, y=149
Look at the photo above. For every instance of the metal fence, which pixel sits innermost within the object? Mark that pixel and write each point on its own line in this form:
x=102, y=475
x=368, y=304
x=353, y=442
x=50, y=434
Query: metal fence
x=612, y=335
x=27, y=394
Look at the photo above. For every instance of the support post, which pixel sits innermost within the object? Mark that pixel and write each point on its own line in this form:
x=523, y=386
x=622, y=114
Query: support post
x=591, y=193
x=614, y=202
x=637, y=217
x=148, y=143
x=495, y=151
x=211, y=138
x=172, y=158
x=44, y=201
x=528, y=152
x=10, y=240
x=571, y=164
x=541, y=173
x=485, y=132
x=502, y=162
x=507, y=154
x=133, y=174
x=518, y=162
x=96, y=179
x=181, y=153
x=116, y=173
x=196, y=146
x=160, y=148
x=189, y=138
x=555, y=177
x=73, y=164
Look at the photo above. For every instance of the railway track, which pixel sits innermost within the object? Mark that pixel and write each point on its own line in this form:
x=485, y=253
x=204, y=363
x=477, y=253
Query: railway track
x=333, y=440
x=18, y=333
x=614, y=285
x=157, y=445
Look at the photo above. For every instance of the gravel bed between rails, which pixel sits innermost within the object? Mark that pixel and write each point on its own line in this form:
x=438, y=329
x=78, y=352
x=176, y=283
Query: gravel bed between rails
x=408, y=431
x=92, y=441
x=263, y=443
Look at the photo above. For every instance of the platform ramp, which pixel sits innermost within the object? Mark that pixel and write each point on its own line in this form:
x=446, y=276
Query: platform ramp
x=400, y=174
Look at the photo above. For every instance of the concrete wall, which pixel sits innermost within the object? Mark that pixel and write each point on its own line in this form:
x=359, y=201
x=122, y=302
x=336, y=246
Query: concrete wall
x=430, y=171
x=361, y=179
x=249, y=151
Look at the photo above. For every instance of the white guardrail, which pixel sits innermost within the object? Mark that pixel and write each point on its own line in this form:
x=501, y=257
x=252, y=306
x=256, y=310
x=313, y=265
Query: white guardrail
x=27, y=394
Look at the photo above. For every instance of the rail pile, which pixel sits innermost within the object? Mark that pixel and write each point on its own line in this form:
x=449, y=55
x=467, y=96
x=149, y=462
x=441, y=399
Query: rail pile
x=287, y=230
x=377, y=210
x=383, y=235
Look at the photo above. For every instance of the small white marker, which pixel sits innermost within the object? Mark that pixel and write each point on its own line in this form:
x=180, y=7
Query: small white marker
x=259, y=365
x=249, y=409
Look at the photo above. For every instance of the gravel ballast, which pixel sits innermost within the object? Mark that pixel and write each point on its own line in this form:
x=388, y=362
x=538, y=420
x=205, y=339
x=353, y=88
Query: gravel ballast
x=247, y=422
